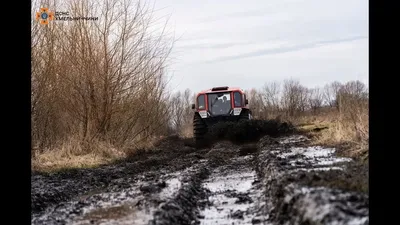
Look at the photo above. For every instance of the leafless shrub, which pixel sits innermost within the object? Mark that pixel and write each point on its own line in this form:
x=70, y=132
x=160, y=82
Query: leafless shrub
x=343, y=106
x=257, y=104
x=316, y=99
x=181, y=112
x=330, y=92
x=271, y=98
x=353, y=106
x=99, y=80
x=294, y=98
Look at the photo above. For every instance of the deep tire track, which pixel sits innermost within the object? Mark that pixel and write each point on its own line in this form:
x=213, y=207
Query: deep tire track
x=184, y=208
x=234, y=190
x=199, y=199
x=290, y=167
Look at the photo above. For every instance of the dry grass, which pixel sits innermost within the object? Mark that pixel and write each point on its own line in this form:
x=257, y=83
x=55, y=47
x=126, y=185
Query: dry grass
x=54, y=161
x=73, y=154
x=351, y=132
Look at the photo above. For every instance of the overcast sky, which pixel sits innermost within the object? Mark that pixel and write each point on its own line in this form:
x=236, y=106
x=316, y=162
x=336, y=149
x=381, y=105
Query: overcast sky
x=247, y=43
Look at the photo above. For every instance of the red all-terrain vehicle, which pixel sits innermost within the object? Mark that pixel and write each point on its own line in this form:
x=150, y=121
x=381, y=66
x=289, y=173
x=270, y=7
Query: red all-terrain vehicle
x=218, y=104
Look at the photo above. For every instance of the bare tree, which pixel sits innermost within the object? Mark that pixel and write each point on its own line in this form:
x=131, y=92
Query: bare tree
x=294, y=97
x=353, y=106
x=316, y=99
x=99, y=80
x=304, y=96
x=271, y=96
x=330, y=92
x=187, y=112
x=256, y=104
x=181, y=113
x=177, y=109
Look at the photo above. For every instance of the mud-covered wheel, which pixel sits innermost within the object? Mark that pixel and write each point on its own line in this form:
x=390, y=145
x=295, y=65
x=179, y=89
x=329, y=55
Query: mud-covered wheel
x=245, y=115
x=199, y=129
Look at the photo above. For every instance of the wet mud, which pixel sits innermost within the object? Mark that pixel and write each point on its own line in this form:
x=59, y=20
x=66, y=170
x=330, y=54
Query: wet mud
x=303, y=184
x=277, y=179
x=234, y=195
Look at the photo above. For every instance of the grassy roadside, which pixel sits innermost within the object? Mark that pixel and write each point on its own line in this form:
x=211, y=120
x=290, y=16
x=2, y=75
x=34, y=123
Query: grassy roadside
x=342, y=135
x=55, y=161
x=71, y=155
x=339, y=136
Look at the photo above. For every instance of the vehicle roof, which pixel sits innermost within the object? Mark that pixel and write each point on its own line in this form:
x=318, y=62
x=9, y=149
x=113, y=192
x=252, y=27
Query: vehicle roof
x=229, y=89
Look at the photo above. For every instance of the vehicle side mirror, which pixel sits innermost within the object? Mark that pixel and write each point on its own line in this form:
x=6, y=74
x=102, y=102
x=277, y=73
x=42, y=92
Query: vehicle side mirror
x=193, y=106
x=247, y=101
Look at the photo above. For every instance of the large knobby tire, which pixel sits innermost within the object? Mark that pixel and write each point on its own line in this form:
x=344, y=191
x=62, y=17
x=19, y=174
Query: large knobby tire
x=245, y=115
x=199, y=129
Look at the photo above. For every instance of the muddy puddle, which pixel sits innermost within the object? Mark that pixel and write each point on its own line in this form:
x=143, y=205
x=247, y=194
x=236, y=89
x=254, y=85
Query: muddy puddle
x=311, y=158
x=232, y=194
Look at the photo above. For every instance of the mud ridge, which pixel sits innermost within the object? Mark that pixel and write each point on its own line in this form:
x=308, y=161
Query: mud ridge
x=299, y=188
x=184, y=208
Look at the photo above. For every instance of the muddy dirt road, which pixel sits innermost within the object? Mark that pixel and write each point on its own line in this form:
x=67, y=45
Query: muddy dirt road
x=272, y=181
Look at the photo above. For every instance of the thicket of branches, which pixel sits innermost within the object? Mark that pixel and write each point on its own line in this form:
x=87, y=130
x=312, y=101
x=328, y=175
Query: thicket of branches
x=182, y=113
x=98, y=80
x=291, y=100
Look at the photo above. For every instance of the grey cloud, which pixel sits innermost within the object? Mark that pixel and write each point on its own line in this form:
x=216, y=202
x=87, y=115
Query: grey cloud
x=212, y=46
x=250, y=13
x=268, y=8
x=284, y=49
